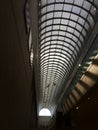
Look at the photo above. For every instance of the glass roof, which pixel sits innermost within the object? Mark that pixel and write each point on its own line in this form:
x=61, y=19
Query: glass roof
x=63, y=27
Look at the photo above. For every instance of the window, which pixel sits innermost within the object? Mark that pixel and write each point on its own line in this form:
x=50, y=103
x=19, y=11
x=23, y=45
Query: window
x=44, y=112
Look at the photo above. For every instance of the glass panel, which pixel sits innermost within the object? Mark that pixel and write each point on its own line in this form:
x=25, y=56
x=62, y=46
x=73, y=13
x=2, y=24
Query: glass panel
x=50, y=8
x=73, y=43
x=75, y=38
x=81, y=21
x=46, y=55
x=57, y=14
x=64, y=21
x=66, y=48
x=65, y=15
x=46, y=51
x=43, y=45
x=43, y=31
x=47, y=39
x=81, y=38
x=69, y=1
x=67, y=40
x=49, y=15
x=54, y=32
x=47, y=47
x=53, y=46
x=70, y=29
x=77, y=33
x=58, y=50
x=91, y=21
x=77, y=48
x=48, y=34
x=63, y=28
x=48, y=28
x=79, y=44
x=42, y=41
x=71, y=23
x=56, y=27
x=50, y=1
x=87, y=5
x=50, y=62
x=53, y=42
x=78, y=2
x=76, y=9
x=58, y=6
x=51, y=68
x=93, y=10
x=49, y=22
x=56, y=21
x=43, y=18
x=57, y=60
x=54, y=37
x=83, y=13
x=86, y=26
x=60, y=38
x=71, y=48
x=84, y=32
x=67, y=7
x=43, y=2
x=60, y=43
x=43, y=10
x=43, y=25
x=79, y=27
x=61, y=32
x=42, y=37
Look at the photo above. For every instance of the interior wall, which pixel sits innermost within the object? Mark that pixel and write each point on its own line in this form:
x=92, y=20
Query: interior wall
x=15, y=71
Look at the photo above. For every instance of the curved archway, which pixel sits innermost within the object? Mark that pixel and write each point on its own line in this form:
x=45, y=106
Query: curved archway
x=44, y=112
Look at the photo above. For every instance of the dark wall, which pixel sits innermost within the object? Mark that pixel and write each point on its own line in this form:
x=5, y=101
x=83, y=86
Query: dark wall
x=15, y=71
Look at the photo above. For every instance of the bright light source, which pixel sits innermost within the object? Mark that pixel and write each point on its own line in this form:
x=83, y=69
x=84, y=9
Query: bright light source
x=77, y=108
x=44, y=112
x=79, y=65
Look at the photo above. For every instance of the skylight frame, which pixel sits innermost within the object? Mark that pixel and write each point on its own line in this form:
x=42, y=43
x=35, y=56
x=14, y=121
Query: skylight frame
x=47, y=50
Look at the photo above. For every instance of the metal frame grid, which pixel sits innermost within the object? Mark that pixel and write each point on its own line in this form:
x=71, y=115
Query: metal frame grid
x=63, y=27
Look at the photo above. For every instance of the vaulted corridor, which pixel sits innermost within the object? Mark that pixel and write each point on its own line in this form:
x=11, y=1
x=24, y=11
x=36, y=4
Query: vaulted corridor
x=49, y=64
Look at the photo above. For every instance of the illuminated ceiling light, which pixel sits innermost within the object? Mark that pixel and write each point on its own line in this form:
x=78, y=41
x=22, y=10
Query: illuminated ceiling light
x=94, y=9
x=31, y=58
x=77, y=108
x=44, y=112
x=79, y=65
